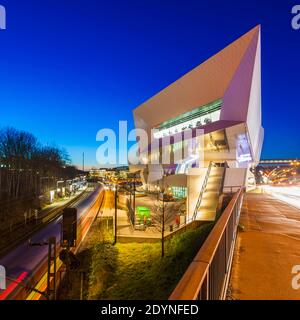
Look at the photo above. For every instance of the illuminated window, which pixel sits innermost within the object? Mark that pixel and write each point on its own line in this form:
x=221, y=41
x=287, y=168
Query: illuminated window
x=179, y=192
x=193, y=119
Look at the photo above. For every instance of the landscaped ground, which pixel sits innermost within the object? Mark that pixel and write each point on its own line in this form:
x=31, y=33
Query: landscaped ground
x=137, y=271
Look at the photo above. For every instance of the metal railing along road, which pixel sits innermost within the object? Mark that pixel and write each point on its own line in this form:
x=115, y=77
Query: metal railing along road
x=207, y=276
x=231, y=189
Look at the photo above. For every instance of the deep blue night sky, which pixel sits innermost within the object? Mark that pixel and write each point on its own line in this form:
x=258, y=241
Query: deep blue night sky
x=72, y=67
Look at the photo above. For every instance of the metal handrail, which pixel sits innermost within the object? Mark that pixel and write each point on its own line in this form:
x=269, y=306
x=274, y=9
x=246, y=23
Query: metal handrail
x=226, y=140
x=207, y=276
x=204, y=185
x=231, y=189
x=223, y=178
x=221, y=187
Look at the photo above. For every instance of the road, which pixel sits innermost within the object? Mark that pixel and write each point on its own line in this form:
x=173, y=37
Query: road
x=25, y=261
x=267, y=250
x=288, y=194
x=108, y=208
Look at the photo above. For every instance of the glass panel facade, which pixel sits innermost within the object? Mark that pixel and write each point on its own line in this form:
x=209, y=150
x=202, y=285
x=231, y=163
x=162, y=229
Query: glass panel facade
x=189, y=120
x=179, y=192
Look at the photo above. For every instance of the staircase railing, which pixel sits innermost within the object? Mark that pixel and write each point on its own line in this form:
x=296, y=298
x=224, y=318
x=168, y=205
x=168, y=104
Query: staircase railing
x=221, y=187
x=202, y=191
x=226, y=166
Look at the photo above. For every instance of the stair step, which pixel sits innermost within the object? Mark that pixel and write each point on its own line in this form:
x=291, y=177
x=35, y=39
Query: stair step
x=212, y=190
x=206, y=215
x=210, y=199
x=210, y=196
x=215, y=176
x=214, y=183
x=209, y=204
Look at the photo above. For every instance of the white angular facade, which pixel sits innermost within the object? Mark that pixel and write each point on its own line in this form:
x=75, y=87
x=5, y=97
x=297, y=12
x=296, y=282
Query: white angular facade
x=222, y=97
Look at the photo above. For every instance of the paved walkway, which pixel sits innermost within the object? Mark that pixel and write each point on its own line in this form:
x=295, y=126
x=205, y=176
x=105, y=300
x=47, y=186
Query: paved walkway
x=266, y=250
x=125, y=230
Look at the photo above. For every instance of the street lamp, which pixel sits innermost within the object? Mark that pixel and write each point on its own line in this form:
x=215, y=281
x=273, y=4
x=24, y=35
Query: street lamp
x=161, y=191
x=133, y=191
x=133, y=218
x=116, y=212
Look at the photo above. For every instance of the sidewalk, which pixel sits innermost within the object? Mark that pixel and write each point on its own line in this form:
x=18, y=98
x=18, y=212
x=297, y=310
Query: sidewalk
x=125, y=231
x=266, y=250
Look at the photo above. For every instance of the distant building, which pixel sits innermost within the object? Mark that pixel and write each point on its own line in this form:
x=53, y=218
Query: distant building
x=97, y=173
x=222, y=96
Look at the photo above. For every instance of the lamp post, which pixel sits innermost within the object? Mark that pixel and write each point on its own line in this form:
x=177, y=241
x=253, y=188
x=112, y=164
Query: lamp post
x=162, y=189
x=132, y=191
x=133, y=218
x=116, y=213
x=163, y=226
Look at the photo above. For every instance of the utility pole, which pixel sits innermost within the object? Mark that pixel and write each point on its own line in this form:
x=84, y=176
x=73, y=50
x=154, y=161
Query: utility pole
x=51, y=275
x=163, y=218
x=116, y=213
x=134, y=188
x=163, y=228
x=83, y=161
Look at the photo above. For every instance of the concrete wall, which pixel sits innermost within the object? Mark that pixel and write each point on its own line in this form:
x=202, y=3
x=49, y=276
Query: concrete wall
x=254, y=119
x=177, y=180
x=235, y=177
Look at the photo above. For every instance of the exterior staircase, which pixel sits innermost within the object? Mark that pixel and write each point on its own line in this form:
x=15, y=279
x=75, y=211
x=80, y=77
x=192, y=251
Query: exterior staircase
x=208, y=202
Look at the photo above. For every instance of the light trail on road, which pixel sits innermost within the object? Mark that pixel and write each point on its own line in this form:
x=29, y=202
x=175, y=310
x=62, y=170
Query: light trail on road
x=290, y=195
x=27, y=259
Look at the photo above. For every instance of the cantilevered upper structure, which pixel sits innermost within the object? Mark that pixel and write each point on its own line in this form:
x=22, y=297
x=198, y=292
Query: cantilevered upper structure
x=222, y=96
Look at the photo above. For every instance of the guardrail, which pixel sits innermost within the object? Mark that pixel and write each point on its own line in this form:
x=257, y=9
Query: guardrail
x=207, y=276
x=231, y=189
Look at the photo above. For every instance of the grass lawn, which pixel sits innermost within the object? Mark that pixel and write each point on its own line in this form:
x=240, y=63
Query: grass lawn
x=137, y=271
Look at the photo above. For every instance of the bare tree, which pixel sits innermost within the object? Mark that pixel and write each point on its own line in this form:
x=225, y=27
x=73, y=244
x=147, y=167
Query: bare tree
x=163, y=216
x=16, y=151
x=23, y=161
